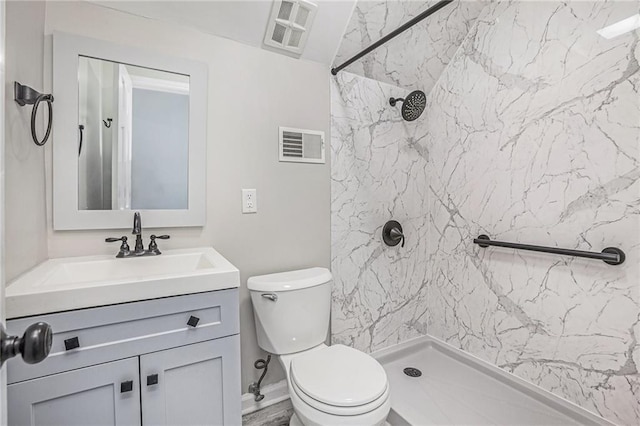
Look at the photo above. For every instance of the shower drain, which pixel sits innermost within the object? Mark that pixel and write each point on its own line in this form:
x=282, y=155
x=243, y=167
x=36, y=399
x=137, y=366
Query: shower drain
x=412, y=372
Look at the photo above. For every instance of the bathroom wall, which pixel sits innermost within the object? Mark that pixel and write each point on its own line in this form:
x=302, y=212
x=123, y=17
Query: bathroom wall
x=415, y=58
x=538, y=142
x=251, y=93
x=3, y=373
x=378, y=173
x=25, y=221
x=531, y=134
x=379, y=169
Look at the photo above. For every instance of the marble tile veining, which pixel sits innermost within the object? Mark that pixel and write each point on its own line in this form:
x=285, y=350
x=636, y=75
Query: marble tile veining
x=416, y=58
x=531, y=134
x=377, y=175
x=540, y=115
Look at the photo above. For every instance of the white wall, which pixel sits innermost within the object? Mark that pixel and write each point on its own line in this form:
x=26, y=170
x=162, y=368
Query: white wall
x=251, y=93
x=25, y=224
x=3, y=373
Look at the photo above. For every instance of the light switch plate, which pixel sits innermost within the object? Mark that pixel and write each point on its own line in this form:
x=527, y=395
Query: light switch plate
x=249, y=201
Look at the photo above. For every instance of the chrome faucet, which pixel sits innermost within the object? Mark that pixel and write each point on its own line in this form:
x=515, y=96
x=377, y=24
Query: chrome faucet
x=137, y=231
x=139, y=248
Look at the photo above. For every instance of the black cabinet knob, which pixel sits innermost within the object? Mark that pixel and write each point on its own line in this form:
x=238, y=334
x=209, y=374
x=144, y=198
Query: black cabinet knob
x=152, y=379
x=126, y=386
x=71, y=343
x=34, y=345
x=193, y=321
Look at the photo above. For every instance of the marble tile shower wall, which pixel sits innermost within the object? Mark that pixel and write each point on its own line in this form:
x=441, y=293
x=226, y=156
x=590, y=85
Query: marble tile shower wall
x=416, y=58
x=377, y=173
x=531, y=134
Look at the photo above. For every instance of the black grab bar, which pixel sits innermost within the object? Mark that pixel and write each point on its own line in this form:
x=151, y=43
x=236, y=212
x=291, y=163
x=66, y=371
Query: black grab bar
x=610, y=255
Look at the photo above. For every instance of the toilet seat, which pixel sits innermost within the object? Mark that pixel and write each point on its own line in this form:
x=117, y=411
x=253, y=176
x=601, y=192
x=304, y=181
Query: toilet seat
x=338, y=410
x=339, y=380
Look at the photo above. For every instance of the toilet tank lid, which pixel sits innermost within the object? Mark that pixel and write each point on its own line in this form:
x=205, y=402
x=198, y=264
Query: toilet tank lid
x=291, y=280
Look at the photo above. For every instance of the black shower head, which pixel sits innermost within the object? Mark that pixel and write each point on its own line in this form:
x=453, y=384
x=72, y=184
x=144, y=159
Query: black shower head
x=412, y=106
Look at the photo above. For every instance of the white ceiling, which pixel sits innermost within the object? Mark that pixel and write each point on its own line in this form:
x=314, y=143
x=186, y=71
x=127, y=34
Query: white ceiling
x=245, y=21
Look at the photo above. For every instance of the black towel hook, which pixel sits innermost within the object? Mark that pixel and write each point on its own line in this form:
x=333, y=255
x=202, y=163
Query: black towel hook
x=24, y=95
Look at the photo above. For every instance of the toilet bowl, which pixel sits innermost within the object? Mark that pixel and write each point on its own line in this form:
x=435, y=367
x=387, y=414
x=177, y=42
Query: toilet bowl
x=328, y=385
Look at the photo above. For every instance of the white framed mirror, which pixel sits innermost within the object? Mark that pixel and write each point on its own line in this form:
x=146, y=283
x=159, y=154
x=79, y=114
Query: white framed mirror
x=129, y=135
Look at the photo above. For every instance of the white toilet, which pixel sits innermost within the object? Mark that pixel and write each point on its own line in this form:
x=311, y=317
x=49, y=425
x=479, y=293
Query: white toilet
x=328, y=385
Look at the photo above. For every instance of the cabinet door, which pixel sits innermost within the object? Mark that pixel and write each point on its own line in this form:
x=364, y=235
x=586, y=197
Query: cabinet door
x=97, y=395
x=196, y=384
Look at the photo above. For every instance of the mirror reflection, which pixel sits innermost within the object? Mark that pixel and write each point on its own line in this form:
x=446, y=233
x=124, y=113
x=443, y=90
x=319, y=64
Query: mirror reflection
x=133, y=142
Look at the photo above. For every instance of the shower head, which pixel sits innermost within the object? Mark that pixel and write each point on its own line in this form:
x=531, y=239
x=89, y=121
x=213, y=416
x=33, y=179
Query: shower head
x=412, y=106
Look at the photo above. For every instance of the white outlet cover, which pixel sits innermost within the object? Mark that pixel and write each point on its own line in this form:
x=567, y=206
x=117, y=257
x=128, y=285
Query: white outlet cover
x=249, y=201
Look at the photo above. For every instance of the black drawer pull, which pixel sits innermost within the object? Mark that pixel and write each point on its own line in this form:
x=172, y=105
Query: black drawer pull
x=152, y=379
x=72, y=343
x=193, y=321
x=126, y=386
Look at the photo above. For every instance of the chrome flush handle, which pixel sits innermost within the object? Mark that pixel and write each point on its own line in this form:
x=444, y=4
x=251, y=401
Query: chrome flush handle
x=271, y=296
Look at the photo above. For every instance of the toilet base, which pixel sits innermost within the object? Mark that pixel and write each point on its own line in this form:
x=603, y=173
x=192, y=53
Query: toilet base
x=295, y=421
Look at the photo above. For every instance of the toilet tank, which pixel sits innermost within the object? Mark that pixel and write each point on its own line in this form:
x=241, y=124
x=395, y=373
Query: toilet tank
x=291, y=309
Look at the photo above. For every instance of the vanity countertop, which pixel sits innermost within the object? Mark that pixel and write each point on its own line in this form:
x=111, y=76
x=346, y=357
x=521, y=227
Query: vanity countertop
x=82, y=282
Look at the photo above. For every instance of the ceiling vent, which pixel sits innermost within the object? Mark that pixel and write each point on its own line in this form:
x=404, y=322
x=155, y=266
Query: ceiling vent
x=289, y=25
x=301, y=146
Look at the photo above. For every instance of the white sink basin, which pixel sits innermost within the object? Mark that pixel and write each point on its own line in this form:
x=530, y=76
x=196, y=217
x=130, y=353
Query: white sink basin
x=81, y=282
x=88, y=272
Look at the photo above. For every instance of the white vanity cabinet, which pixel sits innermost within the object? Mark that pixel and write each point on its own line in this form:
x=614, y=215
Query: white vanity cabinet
x=87, y=396
x=168, y=361
x=186, y=385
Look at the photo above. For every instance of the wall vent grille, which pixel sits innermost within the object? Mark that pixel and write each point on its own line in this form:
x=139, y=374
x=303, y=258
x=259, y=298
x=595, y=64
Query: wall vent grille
x=289, y=25
x=301, y=146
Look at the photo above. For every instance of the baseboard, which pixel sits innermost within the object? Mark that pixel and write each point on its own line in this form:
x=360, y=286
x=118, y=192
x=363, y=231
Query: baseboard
x=273, y=394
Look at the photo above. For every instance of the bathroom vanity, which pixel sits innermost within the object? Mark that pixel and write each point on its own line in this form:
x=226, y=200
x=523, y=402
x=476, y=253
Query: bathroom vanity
x=162, y=348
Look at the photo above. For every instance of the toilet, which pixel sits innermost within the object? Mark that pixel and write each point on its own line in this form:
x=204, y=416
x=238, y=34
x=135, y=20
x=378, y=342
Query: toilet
x=328, y=385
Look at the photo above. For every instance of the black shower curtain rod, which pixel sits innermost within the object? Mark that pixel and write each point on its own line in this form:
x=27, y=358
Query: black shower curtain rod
x=433, y=9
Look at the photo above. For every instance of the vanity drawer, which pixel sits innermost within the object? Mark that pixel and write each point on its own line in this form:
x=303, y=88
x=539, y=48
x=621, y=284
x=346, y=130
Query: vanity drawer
x=96, y=335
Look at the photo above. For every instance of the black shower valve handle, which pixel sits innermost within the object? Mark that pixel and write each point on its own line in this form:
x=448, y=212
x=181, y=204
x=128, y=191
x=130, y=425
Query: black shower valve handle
x=397, y=235
x=392, y=233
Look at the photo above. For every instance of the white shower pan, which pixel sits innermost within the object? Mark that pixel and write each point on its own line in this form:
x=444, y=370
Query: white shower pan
x=456, y=388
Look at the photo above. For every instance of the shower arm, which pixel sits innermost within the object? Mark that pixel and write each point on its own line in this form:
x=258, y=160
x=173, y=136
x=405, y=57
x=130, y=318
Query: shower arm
x=433, y=9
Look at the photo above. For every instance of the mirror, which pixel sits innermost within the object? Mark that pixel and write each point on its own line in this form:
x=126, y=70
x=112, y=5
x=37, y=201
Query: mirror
x=133, y=149
x=129, y=134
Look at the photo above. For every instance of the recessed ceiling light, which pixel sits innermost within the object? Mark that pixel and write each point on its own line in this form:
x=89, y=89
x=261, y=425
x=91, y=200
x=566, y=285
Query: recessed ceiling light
x=621, y=27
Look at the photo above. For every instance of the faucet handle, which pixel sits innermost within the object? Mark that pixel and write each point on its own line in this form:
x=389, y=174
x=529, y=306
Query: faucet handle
x=153, y=246
x=113, y=239
x=124, y=247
